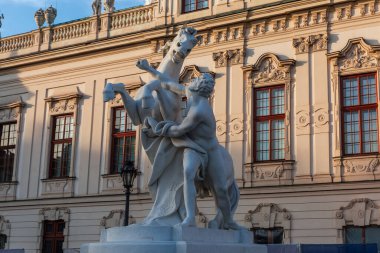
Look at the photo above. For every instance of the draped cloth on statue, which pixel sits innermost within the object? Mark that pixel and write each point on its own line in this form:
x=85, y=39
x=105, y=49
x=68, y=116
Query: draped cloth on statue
x=166, y=181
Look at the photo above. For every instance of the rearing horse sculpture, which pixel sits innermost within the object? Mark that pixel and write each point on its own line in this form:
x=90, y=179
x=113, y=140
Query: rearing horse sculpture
x=167, y=102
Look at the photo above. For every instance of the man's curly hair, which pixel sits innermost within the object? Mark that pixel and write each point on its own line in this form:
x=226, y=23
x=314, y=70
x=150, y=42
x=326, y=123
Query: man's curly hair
x=203, y=85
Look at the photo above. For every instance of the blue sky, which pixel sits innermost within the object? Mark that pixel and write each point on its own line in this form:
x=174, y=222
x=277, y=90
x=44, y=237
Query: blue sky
x=19, y=14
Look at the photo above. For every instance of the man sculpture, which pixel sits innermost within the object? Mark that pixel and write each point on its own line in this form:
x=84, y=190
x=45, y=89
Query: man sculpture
x=177, y=147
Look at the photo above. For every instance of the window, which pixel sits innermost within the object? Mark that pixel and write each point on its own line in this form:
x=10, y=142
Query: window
x=367, y=234
x=359, y=112
x=123, y=140
x=7, y=150
x=53, y=236
x=194, y=5
x=268, y=235
x=62, y=135
x=3, y=241
x=269, y=124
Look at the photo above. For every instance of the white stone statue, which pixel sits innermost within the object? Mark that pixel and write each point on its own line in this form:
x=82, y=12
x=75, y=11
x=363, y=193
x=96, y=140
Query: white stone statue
x=109, y=5
x=96, y=7
x=174, y=152
x=200, y=128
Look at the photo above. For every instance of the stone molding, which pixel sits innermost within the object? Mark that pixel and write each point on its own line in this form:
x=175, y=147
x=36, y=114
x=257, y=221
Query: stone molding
x=115, y=218
x=270, y=173
x=357, y=168
x=58, y=187
x=313, y=43
x=5, y=229
x=269, y=215
x=112, y=183
x=234, y=57
x=269, y=69
x=359, y=212
x=11, y=110
x=201, y=220
x=8, y=191
x=356, y=57
x=63, y=104
x=53, y=214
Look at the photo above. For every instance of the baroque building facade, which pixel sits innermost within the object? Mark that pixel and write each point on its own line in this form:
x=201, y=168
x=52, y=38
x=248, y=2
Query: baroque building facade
x=296, y=103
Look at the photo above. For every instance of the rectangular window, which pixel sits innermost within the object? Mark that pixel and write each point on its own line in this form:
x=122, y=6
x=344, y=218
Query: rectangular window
x=7, y=150
x=194, y=5
x=359, y=112
x=268, y=235
x=61, y=145
x=53, y=237
x=270, y=123
x=366, y=234
x=123, y=140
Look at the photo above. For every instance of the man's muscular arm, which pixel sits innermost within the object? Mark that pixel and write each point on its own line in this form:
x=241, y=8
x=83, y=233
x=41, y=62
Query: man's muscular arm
x=191, y=121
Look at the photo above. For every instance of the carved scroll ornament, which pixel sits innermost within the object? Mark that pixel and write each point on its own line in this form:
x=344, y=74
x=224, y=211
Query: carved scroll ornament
x=269, y=68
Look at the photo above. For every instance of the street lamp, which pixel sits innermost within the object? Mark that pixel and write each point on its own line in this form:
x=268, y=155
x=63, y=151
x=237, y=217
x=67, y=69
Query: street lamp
x=128, y=174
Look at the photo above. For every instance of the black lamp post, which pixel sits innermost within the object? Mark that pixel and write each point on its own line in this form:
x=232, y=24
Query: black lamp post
x=128, y=174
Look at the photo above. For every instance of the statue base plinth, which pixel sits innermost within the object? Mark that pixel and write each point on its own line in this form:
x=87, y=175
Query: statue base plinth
x=177, y=239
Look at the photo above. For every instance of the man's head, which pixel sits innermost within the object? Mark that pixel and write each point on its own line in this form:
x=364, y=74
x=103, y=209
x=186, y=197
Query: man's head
x=203, y=85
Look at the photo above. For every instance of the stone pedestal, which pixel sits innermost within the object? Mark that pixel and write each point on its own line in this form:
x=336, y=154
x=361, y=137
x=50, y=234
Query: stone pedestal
x=165, y=239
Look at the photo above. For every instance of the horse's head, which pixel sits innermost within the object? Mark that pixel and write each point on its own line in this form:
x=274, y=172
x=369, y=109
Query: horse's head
x=182, y=44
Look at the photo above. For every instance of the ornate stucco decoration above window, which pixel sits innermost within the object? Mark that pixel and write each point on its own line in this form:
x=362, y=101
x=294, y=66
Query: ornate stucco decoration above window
x=269, y=215
x=60, y=104
x=190, y=72
x=5, y=229
x=357, y=57
x=314, y=43
x=10, y=111
x=115, y=219
x=359, y=212
x=53, y=214
x=235, y=56
x=269, y=70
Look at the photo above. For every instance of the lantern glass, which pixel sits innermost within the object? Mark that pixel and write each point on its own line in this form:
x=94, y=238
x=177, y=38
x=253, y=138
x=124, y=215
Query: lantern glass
x=128, y=174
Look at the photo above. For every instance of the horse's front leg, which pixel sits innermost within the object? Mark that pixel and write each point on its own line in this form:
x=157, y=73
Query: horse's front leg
x=130, y=105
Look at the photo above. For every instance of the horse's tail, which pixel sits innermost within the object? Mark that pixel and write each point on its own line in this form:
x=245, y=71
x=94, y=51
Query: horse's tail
x=234, y=193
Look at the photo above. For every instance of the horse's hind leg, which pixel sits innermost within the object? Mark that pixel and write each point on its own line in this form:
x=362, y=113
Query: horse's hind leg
x=217, y=222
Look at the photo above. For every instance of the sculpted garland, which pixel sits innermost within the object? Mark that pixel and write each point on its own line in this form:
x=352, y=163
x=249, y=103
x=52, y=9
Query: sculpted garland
x=184, y=152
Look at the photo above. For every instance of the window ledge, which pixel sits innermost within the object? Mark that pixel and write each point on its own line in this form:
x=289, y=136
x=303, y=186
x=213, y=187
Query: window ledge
x=58, y=187
x=112, y=184
x=358, y=168
x=270, y=173
x=8, y=190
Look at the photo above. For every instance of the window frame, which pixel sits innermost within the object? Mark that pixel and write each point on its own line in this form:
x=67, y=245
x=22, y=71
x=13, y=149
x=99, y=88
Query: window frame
x=12, y=167
x=55, y=235
x=359, y=108
x=269, y=234
x=269, y=118
x=132, y=133
x=363, y=232
x=196, y=6
x=53, y=142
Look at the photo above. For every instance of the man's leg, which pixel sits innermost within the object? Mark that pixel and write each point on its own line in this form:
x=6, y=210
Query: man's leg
x=191, y=163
